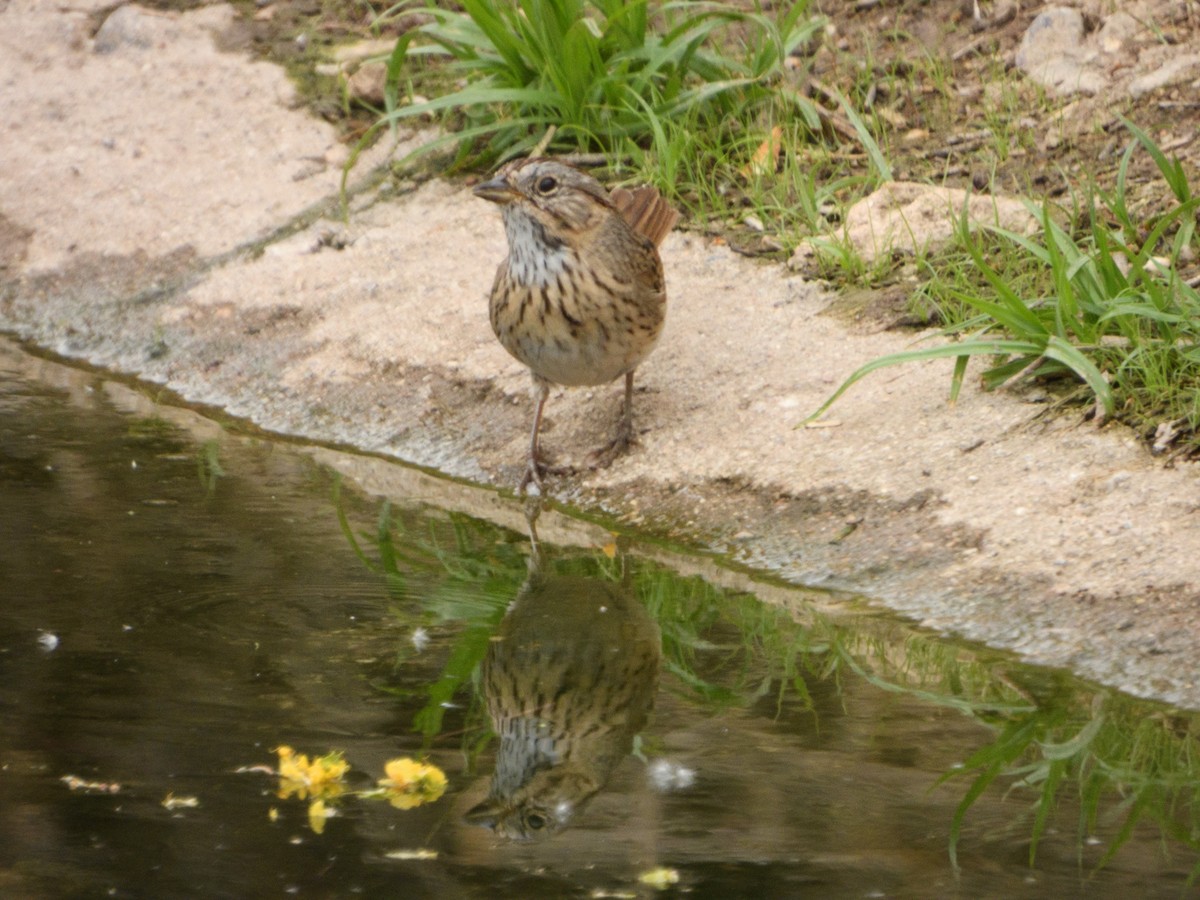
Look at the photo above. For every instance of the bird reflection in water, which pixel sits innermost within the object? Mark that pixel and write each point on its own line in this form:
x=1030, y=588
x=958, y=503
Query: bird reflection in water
x=569, y=679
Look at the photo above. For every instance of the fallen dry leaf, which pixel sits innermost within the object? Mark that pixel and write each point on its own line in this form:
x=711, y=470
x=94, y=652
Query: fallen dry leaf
x=766, y=157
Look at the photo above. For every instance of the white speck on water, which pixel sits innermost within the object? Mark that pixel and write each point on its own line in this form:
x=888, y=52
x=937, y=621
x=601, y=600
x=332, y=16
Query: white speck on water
x=665, y=775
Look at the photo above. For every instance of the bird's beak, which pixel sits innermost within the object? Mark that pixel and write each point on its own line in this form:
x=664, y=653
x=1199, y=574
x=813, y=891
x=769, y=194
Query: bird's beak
x=498, y=190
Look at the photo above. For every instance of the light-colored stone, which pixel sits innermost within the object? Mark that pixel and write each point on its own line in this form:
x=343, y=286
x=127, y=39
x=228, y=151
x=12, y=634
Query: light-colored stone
x=367, y=83
x=134, y=28
x=1054, y=54
x=1174, y=71
x=349, y=54
x=1118, y=32
x=912, y=218
x=362, y=67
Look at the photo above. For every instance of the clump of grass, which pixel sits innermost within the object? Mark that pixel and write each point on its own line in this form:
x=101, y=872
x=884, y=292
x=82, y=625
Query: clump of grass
x=722, y=172
x=1125, y=769
x=603, y=73
x=707, y=100
x=1115, y=315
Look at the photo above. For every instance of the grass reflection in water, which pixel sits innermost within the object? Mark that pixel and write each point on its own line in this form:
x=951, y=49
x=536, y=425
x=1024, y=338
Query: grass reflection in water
x=1115, y=763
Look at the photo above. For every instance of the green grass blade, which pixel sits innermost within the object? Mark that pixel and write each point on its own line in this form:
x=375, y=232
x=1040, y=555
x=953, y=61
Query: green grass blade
x=998, y=347
x=395, y=66
x=1076, y=745
x=881, y=165
x=500, y=35
x=1061, y=351
x=1045, y=805
x=1172, y=170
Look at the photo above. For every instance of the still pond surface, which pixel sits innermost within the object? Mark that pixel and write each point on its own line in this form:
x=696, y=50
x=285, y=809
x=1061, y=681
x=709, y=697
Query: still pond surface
x=179, y=601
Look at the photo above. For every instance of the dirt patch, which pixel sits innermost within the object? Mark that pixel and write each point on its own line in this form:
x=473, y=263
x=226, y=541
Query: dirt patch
x=971, y=121
x=14, y=243
x=209, y=275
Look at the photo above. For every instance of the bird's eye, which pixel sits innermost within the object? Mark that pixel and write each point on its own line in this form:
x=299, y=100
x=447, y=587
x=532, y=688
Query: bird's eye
x=547, y=185
x=533, y=820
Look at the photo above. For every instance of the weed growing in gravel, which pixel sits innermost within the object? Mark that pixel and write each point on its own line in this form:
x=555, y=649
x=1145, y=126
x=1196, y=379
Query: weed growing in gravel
x=603, y=73
x=710, y=101
x=1105, y=307
x=707, y=100
x=759, y=182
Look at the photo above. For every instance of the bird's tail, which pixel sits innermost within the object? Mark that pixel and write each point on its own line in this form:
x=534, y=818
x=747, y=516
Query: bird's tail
x=645, y=211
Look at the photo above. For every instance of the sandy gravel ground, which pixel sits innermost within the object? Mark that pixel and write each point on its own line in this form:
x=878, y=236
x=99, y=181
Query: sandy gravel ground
x=160, y=215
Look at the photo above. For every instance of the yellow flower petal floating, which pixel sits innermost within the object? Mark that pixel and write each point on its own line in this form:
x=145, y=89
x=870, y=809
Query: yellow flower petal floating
x=173, y=802
x=411, y=854
x=75, y=783
x=318, y=814
x=319, y=778
x=660, y=879
x=410, y=783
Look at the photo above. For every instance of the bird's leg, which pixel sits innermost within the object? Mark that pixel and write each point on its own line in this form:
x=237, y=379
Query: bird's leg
x=602, y=458
x=533, y=466
x=625, y=432
x=533, y=566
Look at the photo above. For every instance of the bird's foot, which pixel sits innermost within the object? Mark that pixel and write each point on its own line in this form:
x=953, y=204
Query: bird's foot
x=535, y=470
x=532, y=476
x=602, y=457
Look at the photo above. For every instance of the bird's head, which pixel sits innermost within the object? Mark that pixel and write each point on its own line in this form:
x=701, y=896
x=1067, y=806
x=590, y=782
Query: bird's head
x=559, y=197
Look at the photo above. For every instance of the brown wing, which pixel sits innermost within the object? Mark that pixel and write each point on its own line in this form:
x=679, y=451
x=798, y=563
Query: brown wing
x=645, y=211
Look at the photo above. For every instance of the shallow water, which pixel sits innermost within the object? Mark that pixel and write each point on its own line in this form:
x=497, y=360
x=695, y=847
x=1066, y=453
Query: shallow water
x=179, y=600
